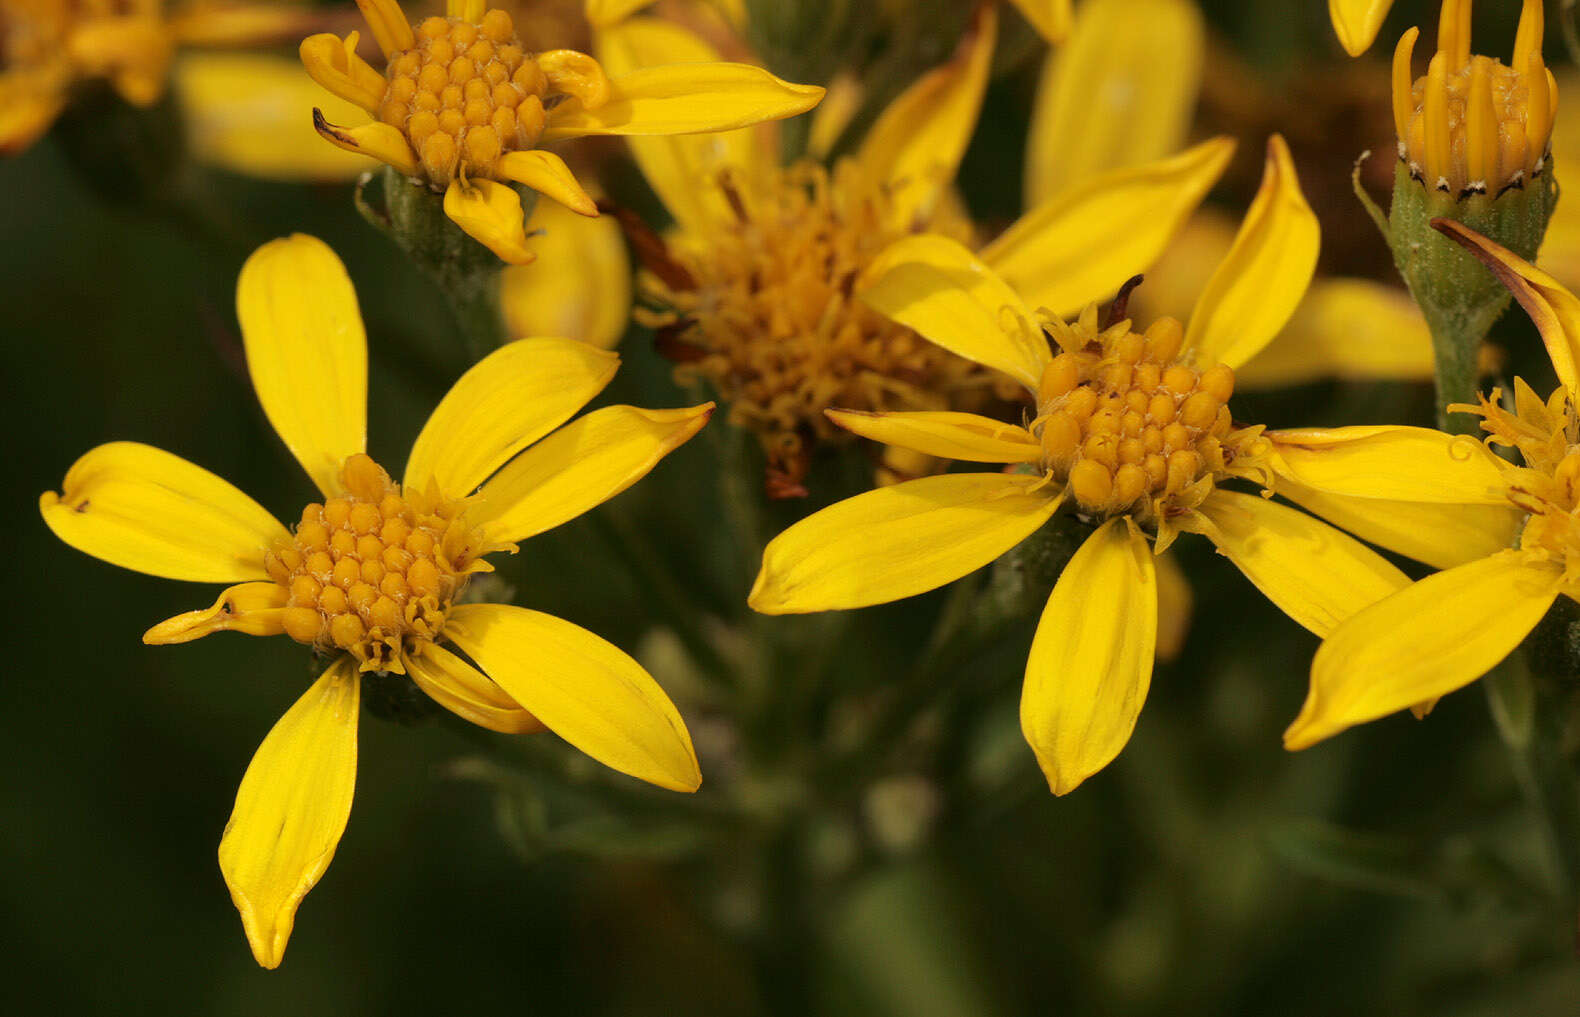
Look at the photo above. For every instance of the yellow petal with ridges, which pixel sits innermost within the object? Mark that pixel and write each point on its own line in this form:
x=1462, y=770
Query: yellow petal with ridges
x=144, y=509
x=1554, y=309
x=547, y=174
x=1119, y=93
x=942, y=290
x=896, y=542
x=292, y=808
x=579, y=286
x=1439, y=535
x=946, y=435
x=1091, y=661
x=490, y=213
x=1264, y=277
x=507, y=401
x=917, y=143
x=1436, y=636
x=467, y=692
x=1345, y=328
x=1317, y=575
x=582, y=465
x=684, y=99
x=333, y=63
x=1392, y=462
x=254, y=609
x=1051, y=18
x=1085, y=242
x=1357, y=22
x=583, y=688
x=306, y=352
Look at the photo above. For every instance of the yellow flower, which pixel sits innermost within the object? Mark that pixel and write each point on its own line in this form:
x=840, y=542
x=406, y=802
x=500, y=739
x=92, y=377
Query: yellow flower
x=49, y=46
x=1130, y=433
x=758, y=281
x=1506, y=536
x=461, y=106
x=371, y=574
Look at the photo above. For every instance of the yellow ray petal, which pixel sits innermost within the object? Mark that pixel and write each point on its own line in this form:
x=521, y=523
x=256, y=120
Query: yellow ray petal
x=467, y=692
x=1120, y=93
x=547, y=174
x=583, y=464
x=1345, y=328
x=1091, y=662
x=1356, y=22
x=898, y=541
x=682, y=168
x=604, y=13
x=943, y=291
x=1175, y=604
x=291, y=809
x=964, y=436
x=585, y=689
x=1265, y=275
x=1440, y=535
x=507, y=401
x=377, y=140
x=490, y=213
x=142, y=508
x=579, y=286
x=835, y=113
x=389, y=26
x=1434, y=637
x=306, y=351
x=334, y=64
x=1552, y=307
x=917, y=143
x=1051, y=18
x=1085, y=242
x=256, y=609
x=684, y=99
x=1392, y=462
x=1316, y=574
x=244, y=112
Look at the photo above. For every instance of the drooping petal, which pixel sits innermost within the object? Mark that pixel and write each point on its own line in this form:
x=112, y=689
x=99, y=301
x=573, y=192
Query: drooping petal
x=917, y=143
x=583, y=464
x=1262, y=280
x=1356, y=22
x=1345, y=328
x=942, y=290
x=946, y=435
x=306, y=352
x=683, y=169
x=144, y=509
x=1175, y=604
x=292, y=808
x=684, y=99
x=1392, y=462
x=579, y=286
x=255, y=609
x=1091, y=661
x=1051, y=18
x=377, y=140
x=507, y=401
x=583, y=688
x=547, y=174
x=1317, y=575
x=1437, y=635
x=1551, y=306
x=244, y=113
x=1086, y=241
x=467, y=692
x=896, y=542
x=490, y=213
x=1120, y=93
x=1439, y=535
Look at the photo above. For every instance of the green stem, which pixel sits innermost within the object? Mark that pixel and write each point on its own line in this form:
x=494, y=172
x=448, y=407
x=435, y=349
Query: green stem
x=1455, y=347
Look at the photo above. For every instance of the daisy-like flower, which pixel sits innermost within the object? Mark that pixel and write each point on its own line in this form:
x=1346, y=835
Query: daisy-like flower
x=461, y=107
x=371, y=574
x=756, y=289
x=49, y=46
x=1131, y=433
x=1506, y=535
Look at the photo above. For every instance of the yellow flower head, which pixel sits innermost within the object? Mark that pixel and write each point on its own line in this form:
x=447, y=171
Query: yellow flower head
x=1473, y=125
x=1130, y=432
x=372, y=572
x=462, y=106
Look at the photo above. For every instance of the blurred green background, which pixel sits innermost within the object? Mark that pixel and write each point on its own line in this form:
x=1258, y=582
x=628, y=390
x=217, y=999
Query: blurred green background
x=1392, y=869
